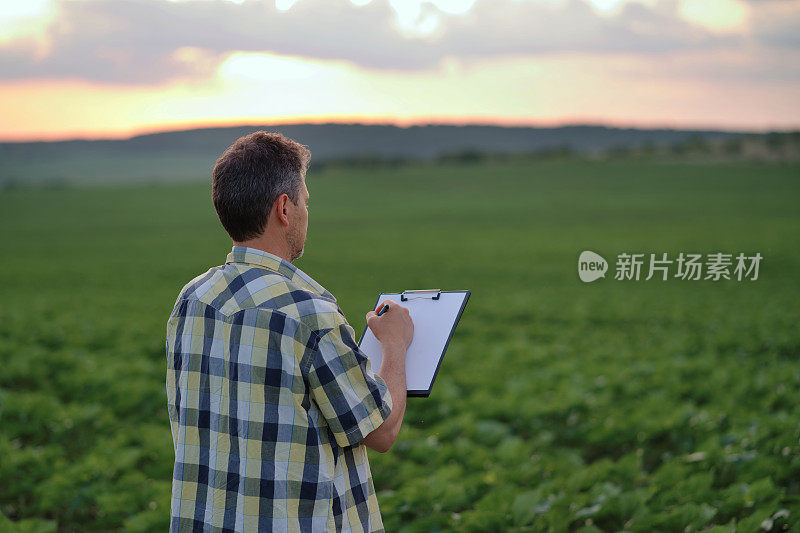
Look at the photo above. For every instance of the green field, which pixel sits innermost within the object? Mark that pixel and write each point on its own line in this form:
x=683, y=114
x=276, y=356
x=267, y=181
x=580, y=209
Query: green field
x=560, y=406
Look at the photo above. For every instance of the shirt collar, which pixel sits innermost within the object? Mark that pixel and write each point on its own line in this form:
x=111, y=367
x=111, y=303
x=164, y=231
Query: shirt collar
x=260, y=258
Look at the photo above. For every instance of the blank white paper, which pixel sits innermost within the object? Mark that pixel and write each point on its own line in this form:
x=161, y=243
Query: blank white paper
x=434, y=320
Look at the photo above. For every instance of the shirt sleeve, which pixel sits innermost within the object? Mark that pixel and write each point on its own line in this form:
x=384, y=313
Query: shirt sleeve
x=353, y=399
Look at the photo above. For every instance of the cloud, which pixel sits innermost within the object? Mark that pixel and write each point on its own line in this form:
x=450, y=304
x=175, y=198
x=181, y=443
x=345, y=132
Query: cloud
x=721, y=69
x=534, y=28
x=133, y=41
x=151, y=41
x=777, y=23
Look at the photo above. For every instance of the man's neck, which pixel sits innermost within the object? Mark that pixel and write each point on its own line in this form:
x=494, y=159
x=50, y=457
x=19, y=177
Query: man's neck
x=267, y=245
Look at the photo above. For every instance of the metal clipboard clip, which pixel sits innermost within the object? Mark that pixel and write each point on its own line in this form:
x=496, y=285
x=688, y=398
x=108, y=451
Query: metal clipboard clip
x=431, y=294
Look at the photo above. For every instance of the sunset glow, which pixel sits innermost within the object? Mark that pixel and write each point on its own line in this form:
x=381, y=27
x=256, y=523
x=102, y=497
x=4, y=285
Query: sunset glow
x=685, y=79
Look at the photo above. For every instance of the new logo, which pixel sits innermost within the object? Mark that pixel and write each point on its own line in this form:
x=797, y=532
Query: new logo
x=591, y=266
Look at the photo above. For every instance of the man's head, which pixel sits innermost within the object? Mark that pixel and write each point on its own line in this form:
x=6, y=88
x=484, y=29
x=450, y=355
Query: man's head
x=260, y=194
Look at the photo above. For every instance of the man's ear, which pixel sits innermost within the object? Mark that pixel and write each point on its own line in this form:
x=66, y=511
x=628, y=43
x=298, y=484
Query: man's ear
x=281, y=209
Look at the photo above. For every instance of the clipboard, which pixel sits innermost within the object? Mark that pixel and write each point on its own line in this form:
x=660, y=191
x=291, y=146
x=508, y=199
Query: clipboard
x=435, y=314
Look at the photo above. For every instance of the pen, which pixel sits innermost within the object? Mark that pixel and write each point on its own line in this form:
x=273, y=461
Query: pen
x=383, y=309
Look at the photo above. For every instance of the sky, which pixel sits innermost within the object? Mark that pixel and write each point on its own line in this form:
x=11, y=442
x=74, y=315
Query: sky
x=114, y=68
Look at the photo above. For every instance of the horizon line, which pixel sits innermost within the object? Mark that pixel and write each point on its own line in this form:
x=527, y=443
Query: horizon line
x=505, y=122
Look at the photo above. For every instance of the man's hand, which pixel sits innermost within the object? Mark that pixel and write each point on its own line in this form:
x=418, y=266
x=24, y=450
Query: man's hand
x=394, y=327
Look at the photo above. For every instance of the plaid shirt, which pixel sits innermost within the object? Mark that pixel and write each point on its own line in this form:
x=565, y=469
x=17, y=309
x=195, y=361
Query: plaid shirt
x=269, y=398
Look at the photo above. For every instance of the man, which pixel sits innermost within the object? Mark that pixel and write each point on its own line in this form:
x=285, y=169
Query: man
x=271, y=402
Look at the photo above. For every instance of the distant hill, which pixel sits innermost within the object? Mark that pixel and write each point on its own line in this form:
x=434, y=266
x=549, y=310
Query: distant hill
x=190, y=154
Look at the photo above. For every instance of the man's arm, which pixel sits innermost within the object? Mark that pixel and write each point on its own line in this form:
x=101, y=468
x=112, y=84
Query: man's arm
x=393, y=372
x=395, y=330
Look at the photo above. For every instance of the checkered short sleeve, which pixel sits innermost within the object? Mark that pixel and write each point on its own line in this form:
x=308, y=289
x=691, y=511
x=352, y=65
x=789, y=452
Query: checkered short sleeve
x=353, y=399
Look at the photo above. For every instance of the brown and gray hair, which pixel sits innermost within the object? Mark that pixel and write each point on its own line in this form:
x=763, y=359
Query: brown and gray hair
x=251, y=175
